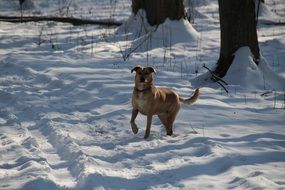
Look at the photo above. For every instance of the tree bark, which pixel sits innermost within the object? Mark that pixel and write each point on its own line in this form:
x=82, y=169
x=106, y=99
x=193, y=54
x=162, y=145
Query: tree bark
x=238, y=29
x=158, y=10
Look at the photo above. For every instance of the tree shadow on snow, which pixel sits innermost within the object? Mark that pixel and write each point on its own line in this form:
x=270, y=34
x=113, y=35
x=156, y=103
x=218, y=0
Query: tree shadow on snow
x=216, y=166
x=41, y=184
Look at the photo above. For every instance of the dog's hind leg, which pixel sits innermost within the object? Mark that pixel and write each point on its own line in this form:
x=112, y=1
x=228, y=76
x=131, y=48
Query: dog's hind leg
x=167, y=120
x=133, y=124
x=169, y=124
x=163, y=118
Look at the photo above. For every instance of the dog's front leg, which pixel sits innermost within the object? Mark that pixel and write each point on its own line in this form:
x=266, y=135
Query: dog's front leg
x=148, y=126
x=133, y=124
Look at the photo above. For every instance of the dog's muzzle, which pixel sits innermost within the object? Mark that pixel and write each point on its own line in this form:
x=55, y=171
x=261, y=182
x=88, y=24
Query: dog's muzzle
x=142, y=79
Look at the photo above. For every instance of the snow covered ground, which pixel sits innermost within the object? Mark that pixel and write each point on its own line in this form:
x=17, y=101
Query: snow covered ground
x=65, y=104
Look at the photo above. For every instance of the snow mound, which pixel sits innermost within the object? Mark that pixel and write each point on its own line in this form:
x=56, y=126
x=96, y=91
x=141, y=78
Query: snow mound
x=145, y=37
x=243, y=71
x=246, y=74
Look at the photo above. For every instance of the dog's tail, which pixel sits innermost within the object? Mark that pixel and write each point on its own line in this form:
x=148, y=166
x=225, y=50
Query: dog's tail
x=192, y=99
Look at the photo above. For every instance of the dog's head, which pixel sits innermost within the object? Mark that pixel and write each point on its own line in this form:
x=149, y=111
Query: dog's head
x=143, y=74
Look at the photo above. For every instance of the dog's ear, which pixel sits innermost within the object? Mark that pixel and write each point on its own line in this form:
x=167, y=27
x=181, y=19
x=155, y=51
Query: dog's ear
x=151, y=70
x=136, y=68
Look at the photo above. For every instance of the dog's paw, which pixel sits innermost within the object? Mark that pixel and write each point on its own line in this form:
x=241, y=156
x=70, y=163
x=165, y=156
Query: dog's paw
x=169, y=132
x=146, y=135
x=135, y=128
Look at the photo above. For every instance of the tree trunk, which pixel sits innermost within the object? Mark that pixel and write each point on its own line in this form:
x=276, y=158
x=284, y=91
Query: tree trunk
x=158, y=10
x=238, y=29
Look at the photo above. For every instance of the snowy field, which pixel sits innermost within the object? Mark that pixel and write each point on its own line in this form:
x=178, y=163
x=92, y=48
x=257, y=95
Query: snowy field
x=65, y=95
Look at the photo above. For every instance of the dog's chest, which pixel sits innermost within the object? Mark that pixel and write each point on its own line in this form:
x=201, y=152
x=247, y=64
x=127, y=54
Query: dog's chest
x=140, y=103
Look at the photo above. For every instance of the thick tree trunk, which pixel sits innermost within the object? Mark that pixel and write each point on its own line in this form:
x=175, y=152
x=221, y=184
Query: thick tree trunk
x=238, y=28
x=158, y=10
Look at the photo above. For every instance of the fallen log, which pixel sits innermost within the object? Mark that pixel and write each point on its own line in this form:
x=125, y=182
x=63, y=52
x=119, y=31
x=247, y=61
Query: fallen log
x=71, y=20
x=274, y=23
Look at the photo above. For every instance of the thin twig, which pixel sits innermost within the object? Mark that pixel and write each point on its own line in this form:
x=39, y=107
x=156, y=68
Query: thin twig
x=148, y=36
x=257, y=12
x=217, y=79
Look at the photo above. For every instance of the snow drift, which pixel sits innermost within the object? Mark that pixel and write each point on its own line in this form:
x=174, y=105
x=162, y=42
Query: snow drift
x=246, y=74
x=145, y=37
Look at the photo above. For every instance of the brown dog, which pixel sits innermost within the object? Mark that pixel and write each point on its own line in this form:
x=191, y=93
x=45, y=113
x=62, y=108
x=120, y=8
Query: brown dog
x=150, y=100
